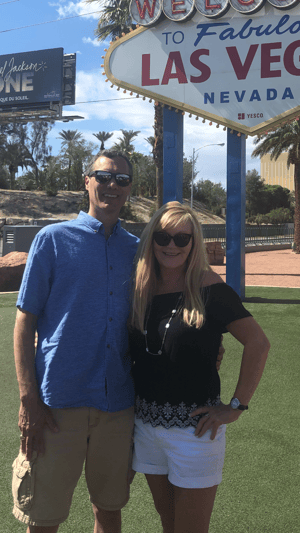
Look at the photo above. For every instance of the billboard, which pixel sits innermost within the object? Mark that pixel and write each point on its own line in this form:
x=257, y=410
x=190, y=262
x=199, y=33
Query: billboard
x=235, y=70
x=31, y=78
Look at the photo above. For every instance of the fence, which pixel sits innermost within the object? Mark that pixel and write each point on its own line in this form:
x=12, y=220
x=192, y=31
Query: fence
x=254, y=235
x=267, y=234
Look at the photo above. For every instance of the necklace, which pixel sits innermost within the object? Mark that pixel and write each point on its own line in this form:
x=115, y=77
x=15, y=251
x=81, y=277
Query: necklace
x=173, y=313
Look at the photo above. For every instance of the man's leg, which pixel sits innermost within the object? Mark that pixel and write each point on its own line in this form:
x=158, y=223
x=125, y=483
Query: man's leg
x=43, y=488
x=107, y=521
x=108, y=465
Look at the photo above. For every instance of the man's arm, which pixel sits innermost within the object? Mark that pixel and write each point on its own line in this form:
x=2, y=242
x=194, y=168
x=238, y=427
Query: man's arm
x=33, y=413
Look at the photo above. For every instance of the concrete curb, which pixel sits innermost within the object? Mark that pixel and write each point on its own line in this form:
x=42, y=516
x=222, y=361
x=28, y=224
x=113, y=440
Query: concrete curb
x=267, y=247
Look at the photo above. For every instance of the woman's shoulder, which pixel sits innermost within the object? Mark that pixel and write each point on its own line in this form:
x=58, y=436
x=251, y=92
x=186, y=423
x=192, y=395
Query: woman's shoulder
x=211, y=278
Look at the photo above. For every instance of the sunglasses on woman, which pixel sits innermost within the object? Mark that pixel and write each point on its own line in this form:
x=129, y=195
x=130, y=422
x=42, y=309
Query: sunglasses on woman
x=104, y=177
x=162, y=238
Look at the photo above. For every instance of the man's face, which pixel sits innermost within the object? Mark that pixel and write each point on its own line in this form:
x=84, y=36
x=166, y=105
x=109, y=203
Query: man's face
x=107, y=198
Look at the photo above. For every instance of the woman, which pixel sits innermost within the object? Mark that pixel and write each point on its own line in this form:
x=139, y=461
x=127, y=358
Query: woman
x=180, y=310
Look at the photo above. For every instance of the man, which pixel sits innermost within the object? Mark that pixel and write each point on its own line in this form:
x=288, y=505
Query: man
x=76, y=393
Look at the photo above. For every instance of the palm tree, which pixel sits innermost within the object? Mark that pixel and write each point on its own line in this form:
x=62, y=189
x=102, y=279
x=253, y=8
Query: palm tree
x=158, y=152
x=14, y=155
x=285, y=139
x=103, y=136
x=151, y=141
x=2, y=147
x=125, y=142
x=70, y=138
x=115, y=20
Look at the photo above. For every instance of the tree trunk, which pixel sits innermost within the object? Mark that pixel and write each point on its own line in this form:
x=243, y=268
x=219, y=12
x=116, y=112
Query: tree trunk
x=12, y=172
x=159, y=186
x=69, y=176
x=158, y=152
x=36, y=171
x=297, y=209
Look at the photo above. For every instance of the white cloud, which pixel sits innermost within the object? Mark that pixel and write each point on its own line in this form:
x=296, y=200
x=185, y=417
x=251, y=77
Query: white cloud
x=212, y=161
x=109, y=104
x=94, y=42
x=109, y=110
x=254, y=162
x=77, y=8
x=104, y=109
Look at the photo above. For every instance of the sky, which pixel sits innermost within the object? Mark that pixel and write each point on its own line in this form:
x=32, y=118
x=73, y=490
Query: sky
x=27, y=25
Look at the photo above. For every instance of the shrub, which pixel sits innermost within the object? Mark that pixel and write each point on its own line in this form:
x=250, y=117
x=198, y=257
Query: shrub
x=128, y=214
x=51, y=191
x=281, y=215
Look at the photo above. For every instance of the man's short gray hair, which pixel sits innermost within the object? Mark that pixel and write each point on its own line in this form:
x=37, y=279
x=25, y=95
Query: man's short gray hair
x=110, y=154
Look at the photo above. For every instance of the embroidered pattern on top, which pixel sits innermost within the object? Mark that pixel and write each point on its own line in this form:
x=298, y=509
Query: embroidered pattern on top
x=168, y=415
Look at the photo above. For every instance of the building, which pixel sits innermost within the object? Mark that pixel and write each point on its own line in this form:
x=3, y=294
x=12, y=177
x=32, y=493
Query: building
x=276, y=172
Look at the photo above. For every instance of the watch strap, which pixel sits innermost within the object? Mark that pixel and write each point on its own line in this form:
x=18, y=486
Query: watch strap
x=239, y=405
x=242, y=407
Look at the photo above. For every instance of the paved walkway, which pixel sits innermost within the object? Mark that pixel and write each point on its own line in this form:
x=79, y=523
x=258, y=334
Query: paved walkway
x=278, y=268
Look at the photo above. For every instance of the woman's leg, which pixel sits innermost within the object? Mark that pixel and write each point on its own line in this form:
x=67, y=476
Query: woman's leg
x=193, y=508
x=163, y=495
x=181, y=510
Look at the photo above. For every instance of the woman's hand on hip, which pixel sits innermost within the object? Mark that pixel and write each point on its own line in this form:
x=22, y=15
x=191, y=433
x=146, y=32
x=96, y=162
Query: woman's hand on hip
x=214, y=417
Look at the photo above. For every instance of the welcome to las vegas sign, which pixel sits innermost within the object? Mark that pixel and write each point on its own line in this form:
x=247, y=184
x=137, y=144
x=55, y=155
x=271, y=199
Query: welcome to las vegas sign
x=239, y=71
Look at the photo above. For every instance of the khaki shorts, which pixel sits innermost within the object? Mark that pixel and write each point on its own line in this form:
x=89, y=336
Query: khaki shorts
x=43, y=488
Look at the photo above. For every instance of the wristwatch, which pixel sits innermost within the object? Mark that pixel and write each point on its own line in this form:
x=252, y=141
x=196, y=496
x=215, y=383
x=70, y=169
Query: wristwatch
x=235, y=404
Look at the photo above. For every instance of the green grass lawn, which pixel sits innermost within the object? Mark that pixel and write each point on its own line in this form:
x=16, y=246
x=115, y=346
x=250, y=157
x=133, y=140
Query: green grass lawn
x=261, y=484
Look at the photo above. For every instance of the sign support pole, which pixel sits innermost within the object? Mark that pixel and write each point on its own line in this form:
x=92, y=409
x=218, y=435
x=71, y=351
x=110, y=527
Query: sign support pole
x=235, y=216
x=173, y=156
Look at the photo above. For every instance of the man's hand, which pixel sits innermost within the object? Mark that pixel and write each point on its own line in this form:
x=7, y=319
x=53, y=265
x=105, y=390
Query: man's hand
x=36, y=338
x=220, y=355
x=34, y=416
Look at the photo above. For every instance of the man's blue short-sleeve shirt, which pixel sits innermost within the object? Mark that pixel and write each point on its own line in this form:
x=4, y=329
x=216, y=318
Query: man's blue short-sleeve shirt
x=78, y=284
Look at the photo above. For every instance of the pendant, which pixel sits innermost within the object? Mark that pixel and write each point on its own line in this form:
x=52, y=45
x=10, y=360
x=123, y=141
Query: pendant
x=173, y=313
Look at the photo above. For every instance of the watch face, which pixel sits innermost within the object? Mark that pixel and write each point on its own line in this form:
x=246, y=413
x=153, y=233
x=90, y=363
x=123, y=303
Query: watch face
x=234, y=403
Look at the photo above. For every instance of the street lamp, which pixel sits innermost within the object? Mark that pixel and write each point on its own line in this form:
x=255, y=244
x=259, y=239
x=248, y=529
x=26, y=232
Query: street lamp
x=193, y=163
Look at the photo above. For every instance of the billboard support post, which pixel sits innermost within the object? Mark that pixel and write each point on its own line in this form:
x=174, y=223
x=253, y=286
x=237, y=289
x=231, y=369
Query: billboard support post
x=235, y=218
x=173, y=156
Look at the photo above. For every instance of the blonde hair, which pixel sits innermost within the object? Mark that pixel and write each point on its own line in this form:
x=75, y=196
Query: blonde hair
x=171, y=214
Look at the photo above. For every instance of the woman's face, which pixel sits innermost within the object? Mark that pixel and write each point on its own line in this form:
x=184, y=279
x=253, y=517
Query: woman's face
x=172, y=256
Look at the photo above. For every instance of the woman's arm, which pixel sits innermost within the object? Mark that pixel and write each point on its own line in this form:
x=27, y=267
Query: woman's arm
x=256, y=348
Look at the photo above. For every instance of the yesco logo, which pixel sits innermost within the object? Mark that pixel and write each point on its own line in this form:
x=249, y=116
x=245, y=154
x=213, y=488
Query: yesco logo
x=242, y=116
x=150, y=12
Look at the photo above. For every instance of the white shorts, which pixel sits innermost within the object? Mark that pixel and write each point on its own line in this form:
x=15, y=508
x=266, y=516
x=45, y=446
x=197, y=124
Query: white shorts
x=187, y=460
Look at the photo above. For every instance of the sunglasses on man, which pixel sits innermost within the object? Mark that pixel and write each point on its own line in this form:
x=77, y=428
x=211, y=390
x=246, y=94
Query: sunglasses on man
x=162, y=238
x=104, y=177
